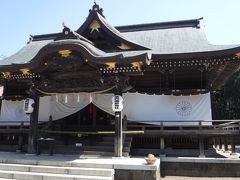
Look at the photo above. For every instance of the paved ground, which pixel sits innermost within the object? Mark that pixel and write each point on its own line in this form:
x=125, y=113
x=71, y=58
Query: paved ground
x=198, y=178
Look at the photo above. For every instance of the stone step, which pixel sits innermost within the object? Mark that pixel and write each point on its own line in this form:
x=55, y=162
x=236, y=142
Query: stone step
x=111, y=138
x=58, y=170
x=71, y=148
x=94, y=153
x=91, y=153
x=8, y=147
x=108, y=138
x=106, y=143
x=47, y=176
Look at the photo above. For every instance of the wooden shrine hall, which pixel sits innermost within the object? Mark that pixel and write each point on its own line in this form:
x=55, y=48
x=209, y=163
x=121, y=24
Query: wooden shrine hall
x=155, y=59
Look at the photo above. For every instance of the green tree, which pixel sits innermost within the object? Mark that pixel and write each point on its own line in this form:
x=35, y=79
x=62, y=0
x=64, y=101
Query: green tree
x=226, y=100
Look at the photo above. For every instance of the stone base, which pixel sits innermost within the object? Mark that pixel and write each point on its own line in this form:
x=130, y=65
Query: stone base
x=125, y=168
x=136, y=175
x=196, y=167
x=202, y=156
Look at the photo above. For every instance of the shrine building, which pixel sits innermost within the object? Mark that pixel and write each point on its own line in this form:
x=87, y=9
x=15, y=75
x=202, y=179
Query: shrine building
x=68, y=86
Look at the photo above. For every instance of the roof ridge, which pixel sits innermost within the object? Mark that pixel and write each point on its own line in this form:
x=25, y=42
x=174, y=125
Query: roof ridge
x=160, y=25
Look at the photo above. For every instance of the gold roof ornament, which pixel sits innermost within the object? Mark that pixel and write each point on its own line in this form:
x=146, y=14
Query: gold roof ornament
x=94, y=26
x=124, y=46
x=111, y=65
x=25, y=71
x=137, y=65
x=238, y=55
x=65, y=53
x=6, y=74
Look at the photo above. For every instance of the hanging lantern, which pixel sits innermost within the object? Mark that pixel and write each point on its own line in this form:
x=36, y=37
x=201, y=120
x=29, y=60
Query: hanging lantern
x=28, y=105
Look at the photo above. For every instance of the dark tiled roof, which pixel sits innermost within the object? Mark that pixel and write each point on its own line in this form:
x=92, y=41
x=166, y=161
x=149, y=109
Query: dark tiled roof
x=166, y=38
x=26, y=54
x=30, y=51
x=175, y=40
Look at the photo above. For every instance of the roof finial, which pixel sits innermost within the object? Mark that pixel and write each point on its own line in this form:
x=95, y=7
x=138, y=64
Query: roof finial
x=66, y=30
x=97, y=9
x=63, y=24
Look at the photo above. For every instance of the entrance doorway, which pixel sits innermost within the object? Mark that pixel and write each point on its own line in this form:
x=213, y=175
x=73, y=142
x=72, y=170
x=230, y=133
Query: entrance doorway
x=90, y=118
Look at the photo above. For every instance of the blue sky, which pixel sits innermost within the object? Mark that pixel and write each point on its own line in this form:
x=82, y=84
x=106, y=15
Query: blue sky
x=19, y=19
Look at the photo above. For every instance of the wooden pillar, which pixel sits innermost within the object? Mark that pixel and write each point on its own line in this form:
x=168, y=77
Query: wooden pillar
x=201, y=147
x=220, y=144
x=162, y=145
x=214, y=143
x=33, y=127
x=118, y=135
x=233, y=146
x=161, y=126
x=20, y=139
x=225, y=144
x=0, y=105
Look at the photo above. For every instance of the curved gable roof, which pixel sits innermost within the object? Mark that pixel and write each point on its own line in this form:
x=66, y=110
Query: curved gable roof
x=96, y=16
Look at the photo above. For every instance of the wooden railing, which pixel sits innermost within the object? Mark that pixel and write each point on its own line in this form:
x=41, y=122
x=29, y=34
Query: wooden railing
x=129, y=127
x=17, y=123
x=195, y=124
x=210, y=127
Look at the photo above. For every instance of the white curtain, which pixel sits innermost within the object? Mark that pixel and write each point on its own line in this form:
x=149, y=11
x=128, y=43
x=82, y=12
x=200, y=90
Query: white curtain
x=103, y=102
x=154, y=108
x=168, y=108
x=137, y=107
x=67, y=104
x=57, y=106
x=12, y=111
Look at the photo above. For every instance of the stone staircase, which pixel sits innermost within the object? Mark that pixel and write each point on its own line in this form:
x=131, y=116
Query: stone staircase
x=103, y=147
x=40, y=172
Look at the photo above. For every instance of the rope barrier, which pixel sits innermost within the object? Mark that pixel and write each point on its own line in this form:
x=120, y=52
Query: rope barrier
x=96, y=92
x=89, y=132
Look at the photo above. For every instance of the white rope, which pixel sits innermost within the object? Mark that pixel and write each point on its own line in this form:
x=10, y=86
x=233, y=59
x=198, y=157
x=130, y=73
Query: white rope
x=96, y=92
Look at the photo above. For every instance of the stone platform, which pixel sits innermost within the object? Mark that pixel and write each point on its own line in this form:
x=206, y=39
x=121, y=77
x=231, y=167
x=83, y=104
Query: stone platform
x=200, y=167
x=27, y=166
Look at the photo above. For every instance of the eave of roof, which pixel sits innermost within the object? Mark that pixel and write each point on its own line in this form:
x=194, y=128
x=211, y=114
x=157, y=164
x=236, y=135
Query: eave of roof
x=33, y=54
